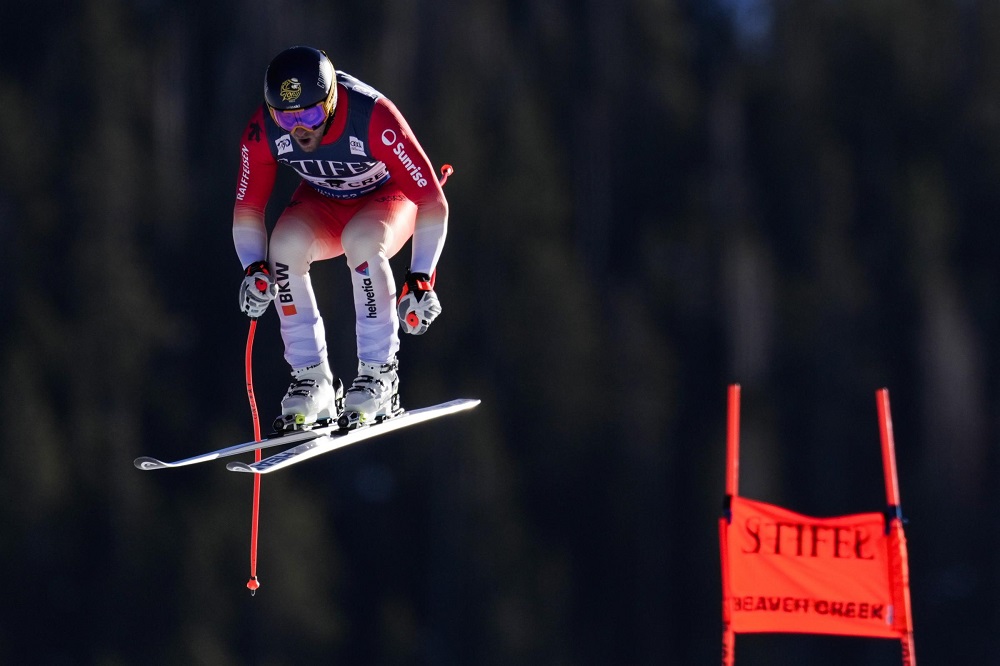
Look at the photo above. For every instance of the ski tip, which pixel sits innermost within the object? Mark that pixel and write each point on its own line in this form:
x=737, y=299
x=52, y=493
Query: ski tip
x=239, y=467
x=145, y=462
x=465, y=403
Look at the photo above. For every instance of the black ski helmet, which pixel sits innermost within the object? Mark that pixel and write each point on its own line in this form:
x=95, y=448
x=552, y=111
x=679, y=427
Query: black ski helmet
x=299, y=77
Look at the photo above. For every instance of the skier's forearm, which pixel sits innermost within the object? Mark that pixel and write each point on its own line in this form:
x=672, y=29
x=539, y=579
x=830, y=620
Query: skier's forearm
x=429, y=234
x=249, y=236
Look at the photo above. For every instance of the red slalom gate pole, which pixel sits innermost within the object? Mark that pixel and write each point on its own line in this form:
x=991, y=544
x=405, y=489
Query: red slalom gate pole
x=253, y=583
x=732, y=491
x=894, y=529
x=733, y=441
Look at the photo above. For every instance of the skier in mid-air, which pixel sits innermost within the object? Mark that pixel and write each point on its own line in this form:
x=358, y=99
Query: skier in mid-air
x=367, y=187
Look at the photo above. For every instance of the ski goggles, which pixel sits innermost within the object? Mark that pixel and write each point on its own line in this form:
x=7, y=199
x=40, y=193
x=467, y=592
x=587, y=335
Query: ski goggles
x=312, y=117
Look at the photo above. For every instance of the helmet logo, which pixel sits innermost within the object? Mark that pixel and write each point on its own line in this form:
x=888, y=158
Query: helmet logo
x=290, y=90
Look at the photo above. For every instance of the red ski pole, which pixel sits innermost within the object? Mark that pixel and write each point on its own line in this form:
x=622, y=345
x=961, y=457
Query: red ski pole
x=253, y=583
x=446, y=170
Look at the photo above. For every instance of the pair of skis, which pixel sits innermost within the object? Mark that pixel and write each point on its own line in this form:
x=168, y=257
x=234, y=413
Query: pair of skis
x=310, y=443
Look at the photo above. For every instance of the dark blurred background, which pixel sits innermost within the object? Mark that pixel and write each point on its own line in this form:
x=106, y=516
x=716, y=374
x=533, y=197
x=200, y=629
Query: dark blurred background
x=652, y=199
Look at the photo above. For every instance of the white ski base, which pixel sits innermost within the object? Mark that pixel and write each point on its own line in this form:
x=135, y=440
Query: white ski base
x=339, y=438
x=147, y=463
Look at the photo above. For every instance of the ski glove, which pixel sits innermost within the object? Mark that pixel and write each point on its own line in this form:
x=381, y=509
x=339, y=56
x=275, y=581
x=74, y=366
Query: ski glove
x=257, y=290
x=418, y=304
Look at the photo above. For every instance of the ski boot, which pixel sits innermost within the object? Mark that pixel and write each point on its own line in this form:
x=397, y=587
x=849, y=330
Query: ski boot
x=373, y=397
x=314, y=399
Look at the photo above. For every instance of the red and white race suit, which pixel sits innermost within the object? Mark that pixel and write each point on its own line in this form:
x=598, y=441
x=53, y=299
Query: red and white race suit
x=366, y=189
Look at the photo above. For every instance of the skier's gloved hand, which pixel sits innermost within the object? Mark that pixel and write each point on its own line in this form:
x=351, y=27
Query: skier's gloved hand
x=257, y=290
x=418, y=304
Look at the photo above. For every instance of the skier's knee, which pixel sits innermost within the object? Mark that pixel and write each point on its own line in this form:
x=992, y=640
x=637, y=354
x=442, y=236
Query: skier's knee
x=291, y=245
x=365, y=240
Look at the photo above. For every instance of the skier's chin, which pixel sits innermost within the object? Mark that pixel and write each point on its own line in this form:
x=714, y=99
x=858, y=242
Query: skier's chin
x=308, y=143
